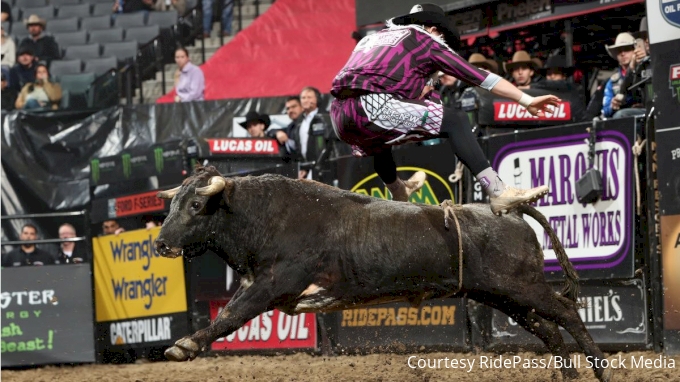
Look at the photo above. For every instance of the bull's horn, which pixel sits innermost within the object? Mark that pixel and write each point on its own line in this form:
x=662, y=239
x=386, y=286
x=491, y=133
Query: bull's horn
x=168, y=194
x=215, y=184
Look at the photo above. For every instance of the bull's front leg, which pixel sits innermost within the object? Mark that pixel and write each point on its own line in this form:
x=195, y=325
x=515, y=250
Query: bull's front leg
x=247, y=304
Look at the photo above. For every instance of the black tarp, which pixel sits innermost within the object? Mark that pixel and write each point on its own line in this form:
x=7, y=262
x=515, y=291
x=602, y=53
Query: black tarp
x=46, y=156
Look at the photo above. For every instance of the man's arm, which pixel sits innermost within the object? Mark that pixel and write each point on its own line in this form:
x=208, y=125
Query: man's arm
x=607, y=99
x=535, y=105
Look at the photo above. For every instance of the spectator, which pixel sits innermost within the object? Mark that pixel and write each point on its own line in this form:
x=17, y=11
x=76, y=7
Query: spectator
x=27, y=254
x=522, y=68
x=293, y=110
x=227, y=17
x=44, y=47
x=639, y=69
x=111, y=227
x=70, y=252
x=614, y=99
x=9, y=50
x=189, y=79
x=9, y=95
x=480, y=61
x=23, y=72
x=450, y=89
x=6, y=12
x=131, y=6
x=310, y=134
x=165, y=5
x=40, y=94
x=556, y=73
x=256, y=124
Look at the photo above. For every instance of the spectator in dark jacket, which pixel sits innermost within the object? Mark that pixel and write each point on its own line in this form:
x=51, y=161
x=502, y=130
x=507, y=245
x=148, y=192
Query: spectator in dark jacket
x=23, y=72
x=256, y=124
x=293, y=110
x=27, y=254
x=70, y=252
x=45, y=48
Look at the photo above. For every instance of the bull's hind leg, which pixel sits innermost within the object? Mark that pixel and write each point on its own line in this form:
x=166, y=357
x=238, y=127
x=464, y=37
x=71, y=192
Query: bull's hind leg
x=543, y=299
x=546, y=330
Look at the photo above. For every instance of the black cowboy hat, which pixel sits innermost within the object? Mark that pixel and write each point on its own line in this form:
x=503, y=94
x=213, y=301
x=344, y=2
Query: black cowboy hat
x=557, y=62
x=643, y=33
x=253, y=116
x=431, y=15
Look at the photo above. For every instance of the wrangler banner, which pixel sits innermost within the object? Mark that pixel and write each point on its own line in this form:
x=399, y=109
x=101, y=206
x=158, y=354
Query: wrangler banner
x=270, y=330
x=597, y=237
x=47, y=315
x=132, y=280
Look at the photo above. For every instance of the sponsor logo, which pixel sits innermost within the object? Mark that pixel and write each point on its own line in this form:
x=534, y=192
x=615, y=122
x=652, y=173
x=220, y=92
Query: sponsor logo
x=135, y=204
x=675, y=154
x=386, y=38
x=674, y=81
x=670, y=10
x=27, y=297
x=403, y=316
x=522, y=9
x=435, y=187
x=96, y=166
x=141, y=331
x=512, y=111
x=127, y=166
x=160, y=155
x=243, y=146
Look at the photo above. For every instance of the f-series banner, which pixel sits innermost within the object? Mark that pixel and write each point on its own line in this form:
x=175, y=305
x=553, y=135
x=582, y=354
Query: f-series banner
x=270, y=330
x=46, y=315
x=597, y=237
x=132, y=280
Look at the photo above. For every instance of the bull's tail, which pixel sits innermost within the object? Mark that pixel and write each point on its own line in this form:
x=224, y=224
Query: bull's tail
x=571, y=288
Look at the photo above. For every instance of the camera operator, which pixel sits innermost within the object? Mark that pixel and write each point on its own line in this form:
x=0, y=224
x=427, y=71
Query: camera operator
x=639, y=69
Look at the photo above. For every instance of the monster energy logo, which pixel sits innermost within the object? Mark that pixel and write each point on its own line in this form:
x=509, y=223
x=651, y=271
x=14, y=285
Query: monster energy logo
x=127, y=165
x=94, y=170
x=158, y=157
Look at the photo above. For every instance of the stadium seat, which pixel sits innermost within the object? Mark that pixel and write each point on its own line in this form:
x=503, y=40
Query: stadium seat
x=78, y=88
x=163, y=19
x=60, y=3
x=129, y=20
x=102, y=9
x=16, y=14
x=142, y=34
x=62, y=25
x=106, y=35
x=71, y=38
x=109, y=2
x=7, y=27
x=59, y=68
x=46, y=12
x=83, y=52
x=95, y=23
x=19, y=31
x=29, y=4
x=123, y=51
x=99, y=66
x=77, y=10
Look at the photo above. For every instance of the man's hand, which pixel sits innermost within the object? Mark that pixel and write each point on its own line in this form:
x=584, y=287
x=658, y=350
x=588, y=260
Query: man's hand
x=543, y=104
x=616, y=103
x=302, y=174
x=282, y=137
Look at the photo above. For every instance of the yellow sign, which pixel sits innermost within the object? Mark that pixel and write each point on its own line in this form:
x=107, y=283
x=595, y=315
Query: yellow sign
x=131, y=280
x=435, y=184
x=670, y=252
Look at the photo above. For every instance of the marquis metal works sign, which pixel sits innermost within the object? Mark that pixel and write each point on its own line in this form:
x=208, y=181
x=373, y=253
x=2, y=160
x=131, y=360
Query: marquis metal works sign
x=598, y=237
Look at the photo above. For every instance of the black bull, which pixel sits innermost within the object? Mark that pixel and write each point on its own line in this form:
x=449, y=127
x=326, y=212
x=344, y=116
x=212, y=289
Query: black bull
x=302, y=246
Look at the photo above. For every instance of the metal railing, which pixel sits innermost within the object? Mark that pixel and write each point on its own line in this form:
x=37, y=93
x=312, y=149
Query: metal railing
x=86, y=224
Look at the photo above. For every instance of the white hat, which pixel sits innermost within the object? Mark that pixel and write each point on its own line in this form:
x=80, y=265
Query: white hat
x=623, y=40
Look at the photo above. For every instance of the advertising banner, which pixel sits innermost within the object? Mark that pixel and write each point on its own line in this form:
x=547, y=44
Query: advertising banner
x=435, y=323
x=437, y=161
x=270, y=330
x=132, y=280
x=244, y=146
x=47, y=315
x=670, y=250
x=613, y=314
x=598, y=237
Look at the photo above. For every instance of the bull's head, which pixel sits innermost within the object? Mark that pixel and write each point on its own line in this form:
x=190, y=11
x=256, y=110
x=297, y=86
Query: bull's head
x=190, y=225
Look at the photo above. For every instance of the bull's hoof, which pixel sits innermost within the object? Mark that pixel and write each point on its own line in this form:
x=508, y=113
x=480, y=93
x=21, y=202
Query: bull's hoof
x=607, y=375
x=184, y=350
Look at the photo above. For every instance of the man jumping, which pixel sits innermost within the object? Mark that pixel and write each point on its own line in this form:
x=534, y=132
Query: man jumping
x=382, y=99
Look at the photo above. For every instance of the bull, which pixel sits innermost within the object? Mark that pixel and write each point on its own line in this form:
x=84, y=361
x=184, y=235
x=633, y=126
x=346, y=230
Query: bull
x=302, y=246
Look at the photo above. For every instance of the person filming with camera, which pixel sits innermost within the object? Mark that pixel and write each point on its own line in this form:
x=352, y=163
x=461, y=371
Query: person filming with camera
x=40, y=94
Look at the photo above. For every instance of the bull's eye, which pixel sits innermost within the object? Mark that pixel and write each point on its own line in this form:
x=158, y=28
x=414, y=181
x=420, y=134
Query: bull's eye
x=195, y=205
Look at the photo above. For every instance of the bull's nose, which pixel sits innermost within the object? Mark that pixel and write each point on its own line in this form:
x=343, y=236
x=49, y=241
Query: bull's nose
x=161, y=247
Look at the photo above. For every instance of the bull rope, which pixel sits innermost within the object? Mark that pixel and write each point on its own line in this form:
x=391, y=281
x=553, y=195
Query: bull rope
x=637, y=148
x=447, y=205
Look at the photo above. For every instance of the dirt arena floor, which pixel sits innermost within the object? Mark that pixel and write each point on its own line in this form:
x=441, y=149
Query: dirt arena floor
x=374, y=367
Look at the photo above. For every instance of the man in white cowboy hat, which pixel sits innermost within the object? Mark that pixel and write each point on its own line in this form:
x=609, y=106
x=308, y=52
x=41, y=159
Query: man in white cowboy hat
x=382, y=99
x=45, y=47
x=639, y=69
x=614, y=99
x=522, y=68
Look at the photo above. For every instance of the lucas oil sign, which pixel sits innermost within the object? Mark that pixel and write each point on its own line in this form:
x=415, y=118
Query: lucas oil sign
x=132, y=280
x=595, y=236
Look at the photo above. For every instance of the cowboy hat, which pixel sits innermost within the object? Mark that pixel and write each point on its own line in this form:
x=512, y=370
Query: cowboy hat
x=623, y=40
x=253, y=116
x=478, y=59
x=431, y=15
x=557, y=62
x=520, y=57
x=643, y=33
x=35, y=20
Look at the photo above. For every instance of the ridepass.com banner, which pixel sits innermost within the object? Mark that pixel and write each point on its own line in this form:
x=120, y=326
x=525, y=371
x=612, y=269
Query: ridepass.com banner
x=132, y=280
